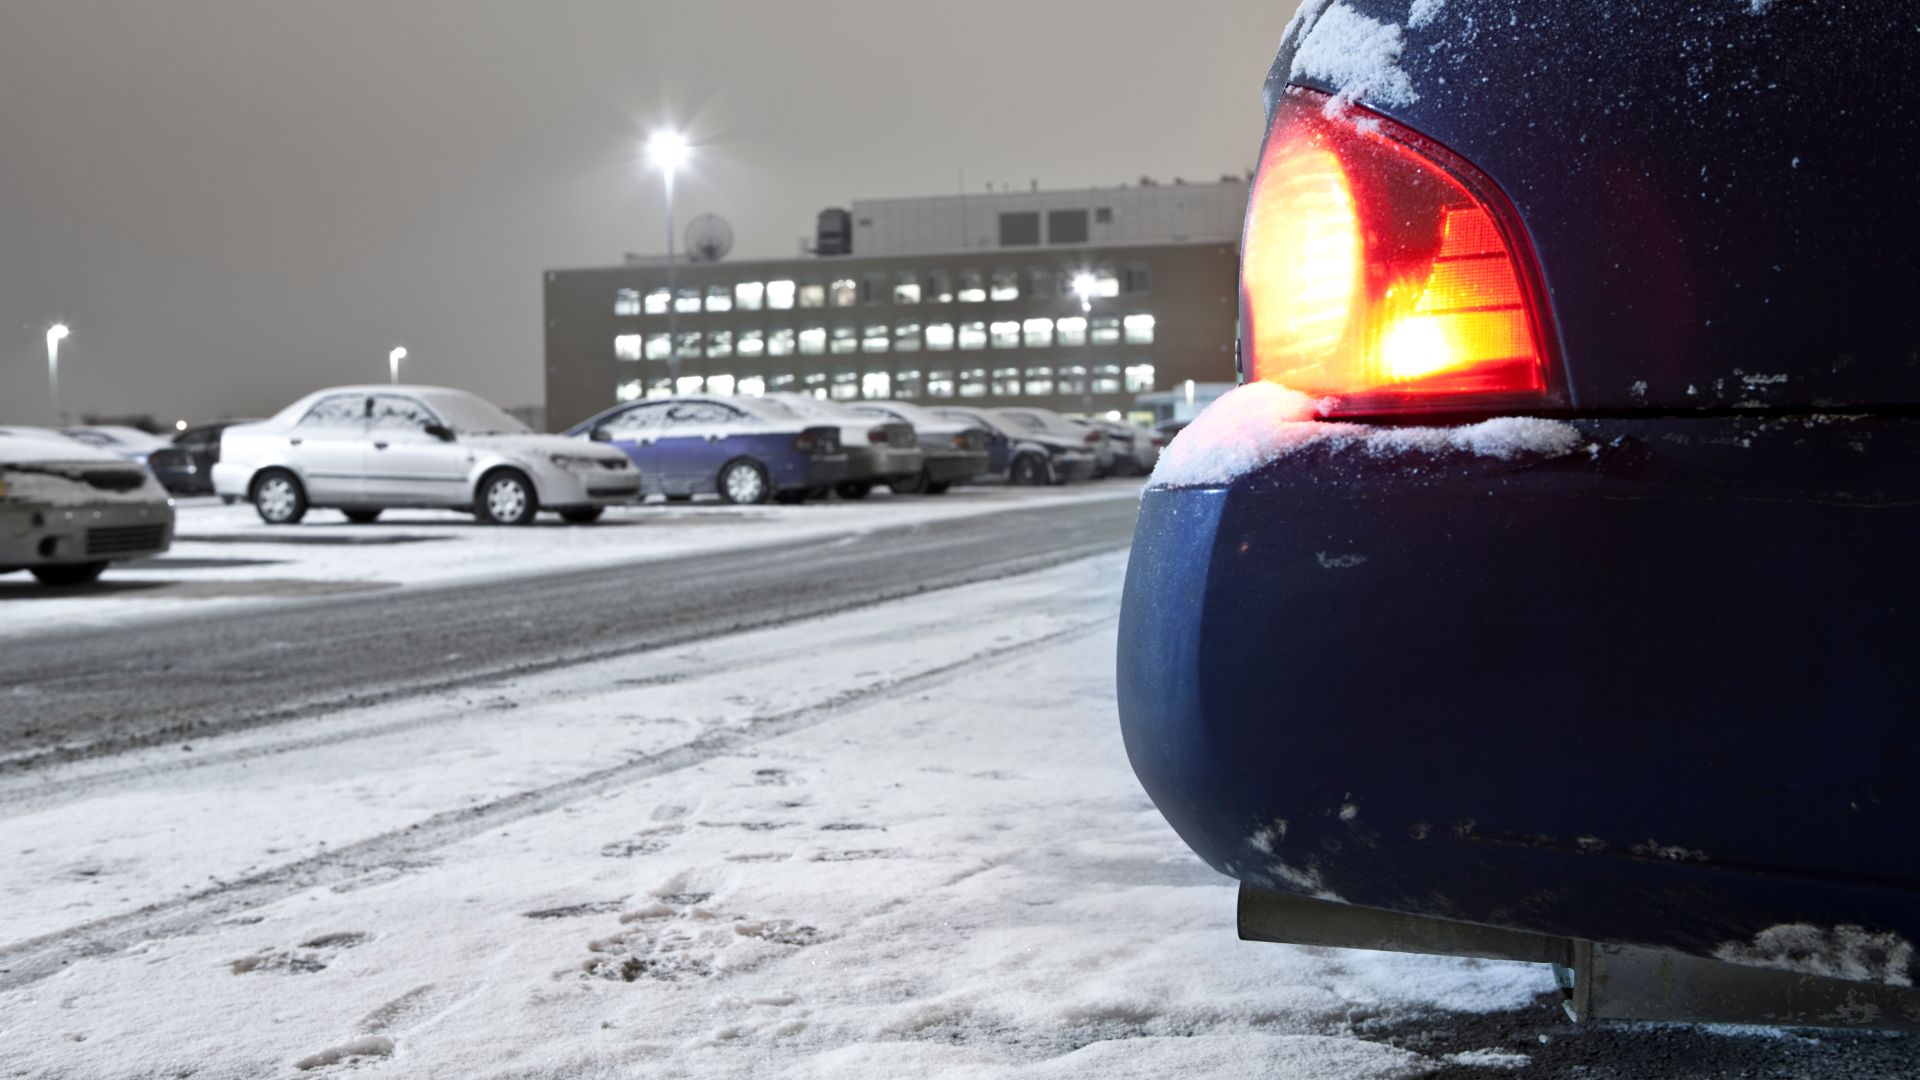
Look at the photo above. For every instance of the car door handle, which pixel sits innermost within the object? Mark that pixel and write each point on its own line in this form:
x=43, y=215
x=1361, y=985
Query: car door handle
x=295, y=442
x=379, y=446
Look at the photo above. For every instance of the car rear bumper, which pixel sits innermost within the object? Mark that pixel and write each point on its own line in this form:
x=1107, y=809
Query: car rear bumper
x=955, y=466
x=883, y=463
x=42, y=535
x=1073, y=468
x=1657, y=692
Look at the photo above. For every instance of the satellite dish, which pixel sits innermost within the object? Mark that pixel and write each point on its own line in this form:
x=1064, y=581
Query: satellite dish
x=709, y=238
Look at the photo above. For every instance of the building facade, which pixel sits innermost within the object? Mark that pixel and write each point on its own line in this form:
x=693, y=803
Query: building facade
x=939, y=303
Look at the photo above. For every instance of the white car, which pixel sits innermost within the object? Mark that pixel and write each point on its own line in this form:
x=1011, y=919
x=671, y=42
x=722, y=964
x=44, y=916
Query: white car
x=365, y=449
x=67, y=510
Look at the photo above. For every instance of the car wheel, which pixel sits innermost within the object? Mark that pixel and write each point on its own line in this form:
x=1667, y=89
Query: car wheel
x=362, y=517
x=744, y=483
x=507, y=498
x=916, y=484
x=854, y=489
x=938, y=488
x=69, y=573
x=278, y=497
x=1029, y=470
x=582, y=515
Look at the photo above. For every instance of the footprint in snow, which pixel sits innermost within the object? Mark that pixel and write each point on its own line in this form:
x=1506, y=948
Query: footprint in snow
x=308, y=957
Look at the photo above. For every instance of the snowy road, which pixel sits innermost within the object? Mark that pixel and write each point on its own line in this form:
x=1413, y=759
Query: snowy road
x=895, y=840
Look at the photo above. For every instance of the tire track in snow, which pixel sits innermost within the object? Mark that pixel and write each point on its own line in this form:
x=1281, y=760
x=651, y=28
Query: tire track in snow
x=402, y=849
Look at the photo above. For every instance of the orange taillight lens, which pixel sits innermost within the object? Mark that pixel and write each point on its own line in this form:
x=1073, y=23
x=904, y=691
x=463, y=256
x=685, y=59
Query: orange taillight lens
x=1383, y=273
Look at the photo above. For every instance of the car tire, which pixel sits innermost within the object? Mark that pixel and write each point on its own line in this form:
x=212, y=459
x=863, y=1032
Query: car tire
x=743, y=482
x=935, y=487
x=582, y=515
x=362, y=517
x=917, y=484
x=854, y=489
x=69, y=573
x=278, y=497
x=506, y=497
x=1029, y=470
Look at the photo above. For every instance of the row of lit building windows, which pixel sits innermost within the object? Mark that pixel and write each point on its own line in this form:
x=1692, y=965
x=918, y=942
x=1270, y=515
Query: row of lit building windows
x=847, y=384
x=880, y=287
x=843, y=338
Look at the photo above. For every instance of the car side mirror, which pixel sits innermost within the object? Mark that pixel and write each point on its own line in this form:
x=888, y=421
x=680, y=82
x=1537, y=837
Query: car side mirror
x=600, y=434
x=441, y=432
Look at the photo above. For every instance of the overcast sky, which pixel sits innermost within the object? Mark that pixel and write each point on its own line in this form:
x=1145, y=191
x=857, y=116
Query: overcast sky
x=234, y=202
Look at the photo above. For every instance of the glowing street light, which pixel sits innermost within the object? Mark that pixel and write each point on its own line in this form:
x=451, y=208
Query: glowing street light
x=55, y=335
x=393, y=364
x=669, y=152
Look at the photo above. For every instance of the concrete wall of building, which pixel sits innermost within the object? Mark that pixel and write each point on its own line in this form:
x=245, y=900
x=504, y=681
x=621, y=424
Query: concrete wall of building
x=1116, y=217
x=1189, y=289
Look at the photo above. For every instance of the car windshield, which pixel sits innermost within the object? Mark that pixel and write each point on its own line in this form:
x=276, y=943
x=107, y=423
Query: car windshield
x=472, y=415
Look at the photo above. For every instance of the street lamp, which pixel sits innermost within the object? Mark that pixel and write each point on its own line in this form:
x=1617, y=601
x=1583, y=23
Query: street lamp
x=393, y=364
x=55, y=335
x=1086, y=286
x=668, y=151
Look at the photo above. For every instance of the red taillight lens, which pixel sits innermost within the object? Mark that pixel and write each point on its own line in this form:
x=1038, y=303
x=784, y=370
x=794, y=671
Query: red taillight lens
x=877, y=435
x=1093, y=438
x=1384, y=273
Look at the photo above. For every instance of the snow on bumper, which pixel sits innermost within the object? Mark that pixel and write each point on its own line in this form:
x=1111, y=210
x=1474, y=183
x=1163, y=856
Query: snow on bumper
x=43, y=535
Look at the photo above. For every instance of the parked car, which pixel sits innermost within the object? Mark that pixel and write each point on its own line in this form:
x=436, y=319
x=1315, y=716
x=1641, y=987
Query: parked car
x=1165, y=432
x=67, y=510
x=129, y=442
x=366, y=449
x=185, y=466
x=878, y=451
x=1552, y=573
x=744, y=449
x=1028, y=450
x=1132, y=448
x=956, y=452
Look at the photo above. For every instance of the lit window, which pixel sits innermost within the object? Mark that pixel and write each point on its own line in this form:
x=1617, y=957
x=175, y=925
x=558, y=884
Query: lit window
x=877, y=338
x=1106, y=378
x=1006, y=382
x=691, y=343
x=690, y=384
x=813, y=340
x=657, y=301
x=659, y=346
x=906, y=383
x=812, y=296
x=1071, y=331
x=749, y=296
x=1037, y=333
x=1139, y=329
x=751, y=386
x=876, y=384
x=844, y=293
x=722, y=385
x=688, y=302
x=659, y=388
x=1039, y=380
x=1106, y=330
x=784, y=382
x=939, y=288
x=719, y=298
x=720, y=344
x=906, y=288
x=1139, y=378
x=626, y=302
x=780, y=341
x=1073, y=379
x=973, y=288
x=815, y=383
x=973, y=382
x=1105, y=283
x=1006, y=285
x=627, y=346
x=631, y=390
x=780, y=295
x=940, y=336
x=940, y=383
x=752, y=343
x=873, y=287
x=846, y=338
x=906, y=337
x=1006, y=335
x=973, y=335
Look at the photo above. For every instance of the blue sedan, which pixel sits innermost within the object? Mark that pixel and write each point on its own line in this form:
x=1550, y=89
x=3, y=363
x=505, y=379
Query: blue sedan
x=745, y=450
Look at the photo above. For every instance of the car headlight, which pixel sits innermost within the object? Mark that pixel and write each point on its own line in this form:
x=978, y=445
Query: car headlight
x=571, y=461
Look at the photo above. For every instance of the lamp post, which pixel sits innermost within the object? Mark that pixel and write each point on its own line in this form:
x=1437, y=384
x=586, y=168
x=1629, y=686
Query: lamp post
x=55, y=335
x=667, y=150
x=393, y=364
x=1085, y=286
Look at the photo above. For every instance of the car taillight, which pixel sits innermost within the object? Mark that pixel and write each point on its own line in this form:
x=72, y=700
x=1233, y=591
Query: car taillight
x=1382, y=272
x=1092, y=439
x=818, y=441
x=877, y=435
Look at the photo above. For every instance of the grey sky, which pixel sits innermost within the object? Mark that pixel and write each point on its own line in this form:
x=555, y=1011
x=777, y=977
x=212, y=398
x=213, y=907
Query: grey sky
x=236, y=201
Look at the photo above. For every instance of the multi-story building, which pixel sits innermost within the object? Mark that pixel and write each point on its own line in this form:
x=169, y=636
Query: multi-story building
x=946, y=299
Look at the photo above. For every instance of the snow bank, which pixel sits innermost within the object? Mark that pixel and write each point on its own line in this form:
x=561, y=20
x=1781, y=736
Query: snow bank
x=1356, y=55
x=1260, y=423
x=1843, y=952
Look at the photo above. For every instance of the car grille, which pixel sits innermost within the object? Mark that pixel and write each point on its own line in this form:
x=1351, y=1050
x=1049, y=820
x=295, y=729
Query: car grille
x=126, y=539
x=114, y=479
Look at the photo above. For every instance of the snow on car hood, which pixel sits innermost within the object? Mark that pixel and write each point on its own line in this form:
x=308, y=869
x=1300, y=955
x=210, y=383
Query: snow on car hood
x=1260, y=423
x=22, y=450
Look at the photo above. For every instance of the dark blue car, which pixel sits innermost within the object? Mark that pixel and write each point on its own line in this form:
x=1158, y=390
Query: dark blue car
x=746, y=450
x=1550, y=584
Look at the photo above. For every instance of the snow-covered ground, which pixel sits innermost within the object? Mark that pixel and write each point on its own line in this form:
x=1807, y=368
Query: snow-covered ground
x=899, y=842
x=225, y=555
